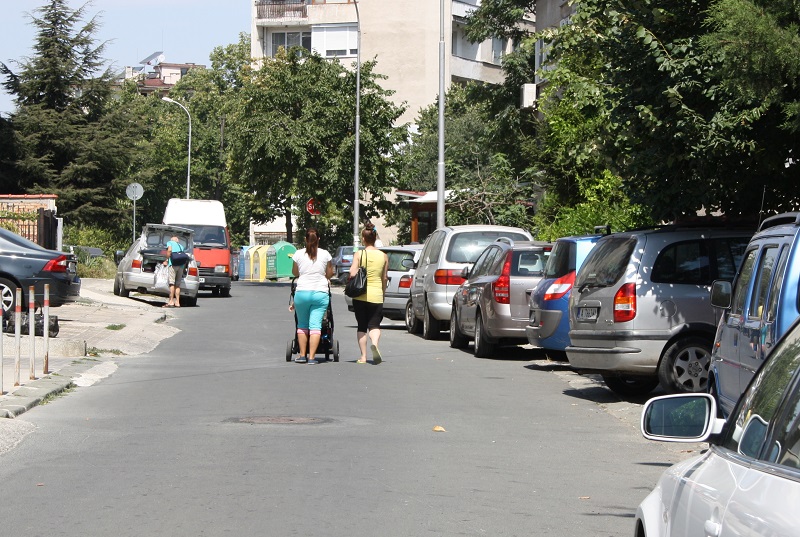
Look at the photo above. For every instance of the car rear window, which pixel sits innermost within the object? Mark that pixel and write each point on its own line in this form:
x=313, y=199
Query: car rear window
x=562, y=260
x=465, y=247
x=607, y=261
x=529, y=263
x=396, y=260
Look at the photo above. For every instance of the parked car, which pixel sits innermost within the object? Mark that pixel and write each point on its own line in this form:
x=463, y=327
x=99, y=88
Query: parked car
x=764, y=306
x=341, y=262
x=438, y=272
x=136, y=266
x=491, y=306
x=748, y=481
x=399, y=275
x=640, y=313
x=548, y=325
x=24, y=263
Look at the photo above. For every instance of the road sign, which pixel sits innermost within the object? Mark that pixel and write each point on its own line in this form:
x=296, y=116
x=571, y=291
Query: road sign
x=311, y=207
x=134, y=191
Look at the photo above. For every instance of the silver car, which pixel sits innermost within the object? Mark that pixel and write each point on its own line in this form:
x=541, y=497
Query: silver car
x=748, y=481
x=444, y=255
x=491, y=306
x=639, y=312
x=399, y=275
x=136, y=266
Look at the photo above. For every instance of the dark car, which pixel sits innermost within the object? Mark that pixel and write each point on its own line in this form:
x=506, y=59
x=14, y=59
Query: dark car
x=341, y=262
x=24, y=263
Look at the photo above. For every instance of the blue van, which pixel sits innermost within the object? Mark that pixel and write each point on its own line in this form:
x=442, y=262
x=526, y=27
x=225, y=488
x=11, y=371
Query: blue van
x=758, y=308
x=548, y=326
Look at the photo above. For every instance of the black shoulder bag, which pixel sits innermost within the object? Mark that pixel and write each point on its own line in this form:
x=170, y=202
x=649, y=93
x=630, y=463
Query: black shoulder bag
x=357, y=285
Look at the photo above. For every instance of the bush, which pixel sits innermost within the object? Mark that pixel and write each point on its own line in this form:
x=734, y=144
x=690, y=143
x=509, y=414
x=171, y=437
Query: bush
x=95, y=267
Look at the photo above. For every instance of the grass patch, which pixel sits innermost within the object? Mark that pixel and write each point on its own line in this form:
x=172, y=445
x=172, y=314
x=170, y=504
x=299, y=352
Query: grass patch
x=94, y=351
x=53, y=396
x=115, y=327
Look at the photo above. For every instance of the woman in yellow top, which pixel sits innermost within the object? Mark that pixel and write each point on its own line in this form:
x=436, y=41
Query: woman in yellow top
x=369, y=306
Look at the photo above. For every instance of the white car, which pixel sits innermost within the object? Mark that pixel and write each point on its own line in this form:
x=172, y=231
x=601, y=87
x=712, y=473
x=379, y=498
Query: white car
x=748, y=482
x=136, y=266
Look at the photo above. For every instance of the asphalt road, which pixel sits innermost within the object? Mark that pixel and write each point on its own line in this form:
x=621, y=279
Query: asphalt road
x=181, y=442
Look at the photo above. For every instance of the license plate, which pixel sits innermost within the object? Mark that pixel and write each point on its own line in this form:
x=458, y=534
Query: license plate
x=587, y=314
x=202, y=280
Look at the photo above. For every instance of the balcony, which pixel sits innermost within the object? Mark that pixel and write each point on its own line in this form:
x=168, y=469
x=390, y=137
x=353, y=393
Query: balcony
x=281, y=10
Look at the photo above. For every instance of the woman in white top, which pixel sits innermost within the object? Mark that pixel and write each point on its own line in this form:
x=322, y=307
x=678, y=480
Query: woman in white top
x=312, y=268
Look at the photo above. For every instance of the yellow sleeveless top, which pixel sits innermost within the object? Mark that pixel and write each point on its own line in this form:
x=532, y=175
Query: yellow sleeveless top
x=374, y=261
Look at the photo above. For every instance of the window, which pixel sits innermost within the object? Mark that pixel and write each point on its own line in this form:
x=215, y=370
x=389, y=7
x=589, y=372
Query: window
x=682, y=263
x=433, y=248
x=729, y=253
x=763, y=278
x=288, y=40
x=336, y=41
x=465, y=247
x=607, y=262
x=528, y=263
x=786, y=441
x=484, y=263
x=498, y=49
x=772, y=308
x=562, y=260
x=743, y=282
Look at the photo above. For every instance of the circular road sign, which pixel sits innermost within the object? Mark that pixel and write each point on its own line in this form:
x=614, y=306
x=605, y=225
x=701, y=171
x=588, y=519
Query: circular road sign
x=134, y=191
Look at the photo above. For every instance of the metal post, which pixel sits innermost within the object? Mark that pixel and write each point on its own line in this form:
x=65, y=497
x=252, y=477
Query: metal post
x=358, y=129
x=2, y=353
x=31, y=333
x=189, y=158
x=17, y=334
x=46, y=335
x=440, y=165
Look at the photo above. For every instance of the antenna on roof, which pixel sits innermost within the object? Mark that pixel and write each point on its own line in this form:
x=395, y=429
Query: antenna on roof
x=153, y=59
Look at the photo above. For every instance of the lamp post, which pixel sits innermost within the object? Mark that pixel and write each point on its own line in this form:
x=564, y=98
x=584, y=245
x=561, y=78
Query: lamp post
x=189, y=156
x=440, y=164
x=358, y=128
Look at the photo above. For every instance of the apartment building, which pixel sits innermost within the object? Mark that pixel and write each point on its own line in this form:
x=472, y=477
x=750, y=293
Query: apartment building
x=403, y=35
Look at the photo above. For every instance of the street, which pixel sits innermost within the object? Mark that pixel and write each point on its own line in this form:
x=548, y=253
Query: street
x=214, y=433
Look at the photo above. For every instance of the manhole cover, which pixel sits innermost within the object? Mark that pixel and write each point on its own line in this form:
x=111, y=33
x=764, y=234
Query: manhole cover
x=278, y=420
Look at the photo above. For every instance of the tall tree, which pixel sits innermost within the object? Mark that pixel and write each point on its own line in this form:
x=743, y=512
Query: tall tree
x=69, y=142
x=292, y=138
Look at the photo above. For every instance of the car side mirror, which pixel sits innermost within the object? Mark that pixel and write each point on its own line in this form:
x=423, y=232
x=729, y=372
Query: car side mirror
x=118, y=255
x=721, y=294
x=465, y=273
x=681, y=418
x=408, y=263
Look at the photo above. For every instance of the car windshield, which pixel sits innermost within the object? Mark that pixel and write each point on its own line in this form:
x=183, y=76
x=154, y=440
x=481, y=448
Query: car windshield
x=467, y=246
x=562, y=260
x=158, y=238
x=606, y=263
x=209, y=236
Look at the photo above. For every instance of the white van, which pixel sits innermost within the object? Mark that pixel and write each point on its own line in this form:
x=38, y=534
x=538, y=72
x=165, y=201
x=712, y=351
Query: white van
x=212, y=244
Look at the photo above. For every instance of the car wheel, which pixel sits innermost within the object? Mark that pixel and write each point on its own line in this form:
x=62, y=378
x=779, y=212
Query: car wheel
x=189, y=301
x=124, y=293
x=215, y=291
x=412, y=323
x=430, y=326
x=8, y=291
x=116, y=286
x=684, y=367
x=556, y=356
x=225, y=291
x=628, y=386
x=483, y=347
x=457, y=338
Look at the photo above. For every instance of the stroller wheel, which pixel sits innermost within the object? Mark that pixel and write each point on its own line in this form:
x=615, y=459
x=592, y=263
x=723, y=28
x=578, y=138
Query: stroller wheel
x=335, y=350
x=289, y=350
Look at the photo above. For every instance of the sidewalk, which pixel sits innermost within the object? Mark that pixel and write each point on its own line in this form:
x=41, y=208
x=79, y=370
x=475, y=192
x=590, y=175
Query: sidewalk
x=94, y=333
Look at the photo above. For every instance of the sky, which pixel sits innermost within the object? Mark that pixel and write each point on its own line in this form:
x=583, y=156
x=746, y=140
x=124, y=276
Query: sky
x=185, y=30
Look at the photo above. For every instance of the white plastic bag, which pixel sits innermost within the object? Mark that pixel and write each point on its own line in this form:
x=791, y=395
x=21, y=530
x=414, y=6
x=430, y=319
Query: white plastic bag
x=161, y=282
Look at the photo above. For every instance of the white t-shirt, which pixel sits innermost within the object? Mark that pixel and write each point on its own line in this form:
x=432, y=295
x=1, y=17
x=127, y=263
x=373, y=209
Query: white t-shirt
x=312, y=273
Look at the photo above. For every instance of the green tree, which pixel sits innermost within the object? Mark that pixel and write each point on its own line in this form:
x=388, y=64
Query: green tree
x=292, y=138
x=68, y=138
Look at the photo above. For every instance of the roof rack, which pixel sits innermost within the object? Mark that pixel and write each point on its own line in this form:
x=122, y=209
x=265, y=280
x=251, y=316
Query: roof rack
x=779, y=219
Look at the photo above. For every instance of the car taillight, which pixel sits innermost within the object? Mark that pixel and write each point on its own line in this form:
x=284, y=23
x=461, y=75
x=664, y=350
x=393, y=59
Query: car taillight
x=57, y=264
x=560, y=287
x=405, y=282
x=625, y=303
x=136, y=264
x=192, y=271
x=448, y=277
x=501, y=288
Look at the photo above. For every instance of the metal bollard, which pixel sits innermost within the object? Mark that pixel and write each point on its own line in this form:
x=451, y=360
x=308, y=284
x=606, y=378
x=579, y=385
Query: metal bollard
x=31, y=332
x=46, y=367
x=17, y=334
x=2, y=337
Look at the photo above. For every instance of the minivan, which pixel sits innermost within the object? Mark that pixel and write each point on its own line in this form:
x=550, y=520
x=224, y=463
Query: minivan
x=763, y=307
x=640, y=313
x=438, y=271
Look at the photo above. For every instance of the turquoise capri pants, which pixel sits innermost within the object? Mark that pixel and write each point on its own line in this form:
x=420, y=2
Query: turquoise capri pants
x=310, y=307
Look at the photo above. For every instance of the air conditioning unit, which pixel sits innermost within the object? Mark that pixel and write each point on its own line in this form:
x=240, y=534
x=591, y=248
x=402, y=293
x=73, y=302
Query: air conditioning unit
x=527, y=96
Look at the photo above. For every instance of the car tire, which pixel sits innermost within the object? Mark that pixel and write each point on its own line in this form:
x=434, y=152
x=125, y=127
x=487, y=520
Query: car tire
x=483, y=346
x=412, y=323
x=430, y=326
x=8, y=292
x=124, y=293
x=684, y=366
x=224, y=291
x=189, y=301
x=457, y=338
x=556, y=356
x=116, y=286
x=630, y=386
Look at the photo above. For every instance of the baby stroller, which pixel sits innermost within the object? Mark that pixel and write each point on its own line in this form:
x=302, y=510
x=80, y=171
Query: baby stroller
x=327, y=344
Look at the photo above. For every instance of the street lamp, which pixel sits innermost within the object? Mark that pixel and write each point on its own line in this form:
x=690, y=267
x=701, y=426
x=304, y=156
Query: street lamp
x=358, y=127
x=189, y=157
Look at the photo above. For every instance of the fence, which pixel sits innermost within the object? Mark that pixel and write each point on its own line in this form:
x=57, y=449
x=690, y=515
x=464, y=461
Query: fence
x=39, y=226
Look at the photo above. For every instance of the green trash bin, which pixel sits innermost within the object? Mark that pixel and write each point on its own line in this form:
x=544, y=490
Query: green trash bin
x=279, y=260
